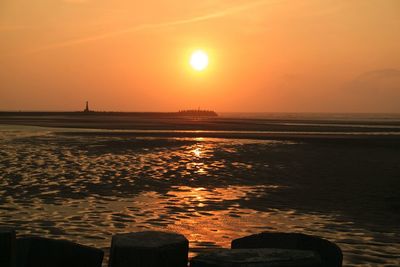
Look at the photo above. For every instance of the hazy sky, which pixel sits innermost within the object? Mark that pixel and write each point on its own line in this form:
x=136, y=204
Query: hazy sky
x=294, y=55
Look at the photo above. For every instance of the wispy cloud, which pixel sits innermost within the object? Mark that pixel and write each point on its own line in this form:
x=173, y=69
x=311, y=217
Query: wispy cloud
x=137, y=28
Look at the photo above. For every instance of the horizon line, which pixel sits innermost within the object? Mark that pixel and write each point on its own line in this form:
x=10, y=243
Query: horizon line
x=218, y=112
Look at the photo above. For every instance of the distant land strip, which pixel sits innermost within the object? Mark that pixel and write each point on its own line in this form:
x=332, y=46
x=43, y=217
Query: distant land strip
x=190, y=113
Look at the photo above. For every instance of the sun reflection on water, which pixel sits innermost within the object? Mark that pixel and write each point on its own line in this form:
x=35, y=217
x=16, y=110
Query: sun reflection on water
x=197, y=152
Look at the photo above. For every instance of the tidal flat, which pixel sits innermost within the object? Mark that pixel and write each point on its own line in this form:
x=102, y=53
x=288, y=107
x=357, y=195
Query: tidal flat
x=85, y=185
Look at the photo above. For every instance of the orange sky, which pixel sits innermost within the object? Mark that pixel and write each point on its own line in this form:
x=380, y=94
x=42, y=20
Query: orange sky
x=272, y=56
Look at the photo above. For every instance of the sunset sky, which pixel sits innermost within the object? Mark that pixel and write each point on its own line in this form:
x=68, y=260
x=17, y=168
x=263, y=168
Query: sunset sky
x=264, y=56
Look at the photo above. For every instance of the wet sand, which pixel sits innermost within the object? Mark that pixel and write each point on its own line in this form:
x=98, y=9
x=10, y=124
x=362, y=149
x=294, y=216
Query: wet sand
x=85, y=185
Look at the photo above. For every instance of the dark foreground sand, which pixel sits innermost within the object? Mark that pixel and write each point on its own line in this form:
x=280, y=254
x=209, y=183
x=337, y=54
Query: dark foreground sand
x=211, y=186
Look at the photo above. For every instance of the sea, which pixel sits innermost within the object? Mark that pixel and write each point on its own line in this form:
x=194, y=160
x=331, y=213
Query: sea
x=85, y=185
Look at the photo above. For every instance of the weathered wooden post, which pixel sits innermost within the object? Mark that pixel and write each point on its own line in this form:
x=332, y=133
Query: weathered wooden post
x=265, y=257
x=149, y=249
x=331, y=255
x=45, y=252
x=7, y=247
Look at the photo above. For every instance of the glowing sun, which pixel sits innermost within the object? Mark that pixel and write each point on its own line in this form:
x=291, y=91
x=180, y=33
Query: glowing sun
x=199, y=60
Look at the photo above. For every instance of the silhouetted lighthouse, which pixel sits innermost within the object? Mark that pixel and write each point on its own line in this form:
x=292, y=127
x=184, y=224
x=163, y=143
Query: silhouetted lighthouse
x=87, y=107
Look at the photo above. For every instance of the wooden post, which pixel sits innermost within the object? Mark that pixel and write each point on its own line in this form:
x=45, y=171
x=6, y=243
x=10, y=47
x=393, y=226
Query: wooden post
x=265, y=257
x=7, y=247
x=149, y=249
x=46, y=252
x=330, y=253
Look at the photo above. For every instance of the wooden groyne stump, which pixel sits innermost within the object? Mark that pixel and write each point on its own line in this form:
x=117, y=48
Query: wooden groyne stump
x=7, y=247
x=149, y=249
x=45, y=252
x=331, y=255
x=257, y=258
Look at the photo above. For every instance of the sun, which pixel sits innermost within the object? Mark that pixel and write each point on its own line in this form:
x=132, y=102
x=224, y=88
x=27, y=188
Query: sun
x=199, y=60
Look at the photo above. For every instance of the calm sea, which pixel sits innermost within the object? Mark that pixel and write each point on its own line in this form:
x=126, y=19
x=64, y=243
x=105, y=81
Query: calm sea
x=369, y=117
